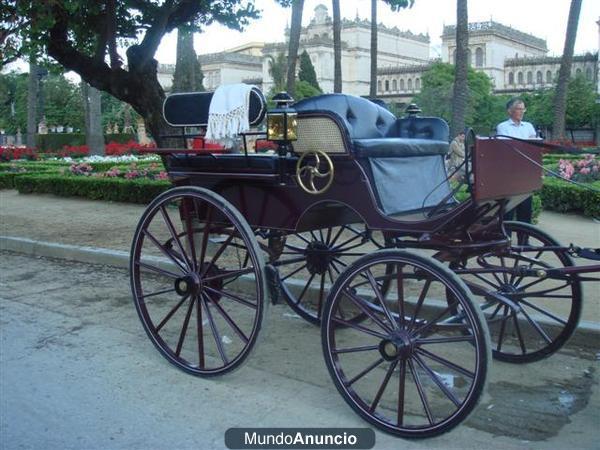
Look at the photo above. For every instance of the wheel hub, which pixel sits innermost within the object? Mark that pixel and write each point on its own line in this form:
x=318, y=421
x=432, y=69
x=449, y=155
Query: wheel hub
x=318, y=257
x=508, y=289
x=188, y=284
x=397, y=346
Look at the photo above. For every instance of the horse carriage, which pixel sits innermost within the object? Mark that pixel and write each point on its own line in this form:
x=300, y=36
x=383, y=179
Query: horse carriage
x=353, y=221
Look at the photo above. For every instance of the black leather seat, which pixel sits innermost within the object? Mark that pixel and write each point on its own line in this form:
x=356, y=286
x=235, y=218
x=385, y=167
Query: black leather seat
x=390, y=147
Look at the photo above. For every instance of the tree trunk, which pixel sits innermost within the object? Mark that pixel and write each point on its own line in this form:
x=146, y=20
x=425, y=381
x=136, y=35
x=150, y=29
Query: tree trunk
x=294, y=44
x=337, y=47
x=460, y=93
x=373, y=83
x=187, y=76
x=86, y=108
x=95, y=136
x=32, y=101
x=560, y=96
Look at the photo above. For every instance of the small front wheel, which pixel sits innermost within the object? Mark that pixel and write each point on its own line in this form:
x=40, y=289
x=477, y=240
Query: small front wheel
x=198, y=281
x=415, y=367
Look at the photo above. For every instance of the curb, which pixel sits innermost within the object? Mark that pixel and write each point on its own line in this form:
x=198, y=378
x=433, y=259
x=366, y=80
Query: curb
x=586, y=335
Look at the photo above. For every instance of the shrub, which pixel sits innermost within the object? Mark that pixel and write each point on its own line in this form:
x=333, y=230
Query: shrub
x=95, y=188
x=558, y=195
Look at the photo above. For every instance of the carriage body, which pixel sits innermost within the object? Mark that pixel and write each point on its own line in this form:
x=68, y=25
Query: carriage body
x=240, y=227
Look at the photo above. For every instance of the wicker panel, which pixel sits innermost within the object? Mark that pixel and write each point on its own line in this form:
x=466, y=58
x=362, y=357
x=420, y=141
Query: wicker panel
x=318, y=133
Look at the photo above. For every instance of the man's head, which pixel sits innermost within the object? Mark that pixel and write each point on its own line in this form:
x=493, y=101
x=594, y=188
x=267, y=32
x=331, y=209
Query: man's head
x=515, y=108
x=461, y=136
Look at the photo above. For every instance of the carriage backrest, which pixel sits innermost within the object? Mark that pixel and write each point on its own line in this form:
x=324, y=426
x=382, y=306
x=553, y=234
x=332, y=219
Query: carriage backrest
x=330, y=122
x=190, y=109
x=416, y=127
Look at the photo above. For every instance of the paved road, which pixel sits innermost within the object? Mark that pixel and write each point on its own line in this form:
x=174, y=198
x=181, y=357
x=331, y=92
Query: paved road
x=77, y=372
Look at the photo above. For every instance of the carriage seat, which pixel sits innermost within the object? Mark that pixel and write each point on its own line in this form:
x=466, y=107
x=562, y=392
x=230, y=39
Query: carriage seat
x=370, y=130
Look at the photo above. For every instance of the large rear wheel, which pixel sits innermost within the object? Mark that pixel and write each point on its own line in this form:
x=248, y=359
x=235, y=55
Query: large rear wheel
x=198, y=281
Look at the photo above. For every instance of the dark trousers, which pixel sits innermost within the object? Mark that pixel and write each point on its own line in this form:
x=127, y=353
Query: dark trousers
x=524, y=211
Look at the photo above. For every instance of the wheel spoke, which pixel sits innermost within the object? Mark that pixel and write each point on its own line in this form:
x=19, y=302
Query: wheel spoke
x=365, y=309
x=519, y=335
x=215, y=332
x=171, y=228
x=420, y=331
x=381, y=300
x=218, y=253
x=421, y=391
x=437, y=381
x=164, y=272
x=362, y=348
x=153, y=294
x=165, y=251
x=231, y=296
x=294, y=272
x=544, y=292
x=337, y=235
x=446, y=363
x=321, y=293
x=543, y=311
x=537, y=326
x=401, y=388
x=229, y=274
x=446, y=340
x=382, y=387
x=299, y=299
x=170, y=314
x=229, y=320
x=400, y=284
x=184, y=327
x=200, y=333
x=419, y=304
x=190, y=233
x=358, y=327
x=363, y=372
x=505, y=317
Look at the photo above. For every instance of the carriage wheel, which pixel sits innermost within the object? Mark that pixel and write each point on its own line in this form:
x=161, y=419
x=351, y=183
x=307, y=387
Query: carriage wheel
x=549, y=309
x=416, y=366
x=310, y=263
x=198, y=281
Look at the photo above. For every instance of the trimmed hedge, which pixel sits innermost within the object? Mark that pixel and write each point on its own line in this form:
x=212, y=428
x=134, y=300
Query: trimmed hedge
x=558, y=195
x=111, y=189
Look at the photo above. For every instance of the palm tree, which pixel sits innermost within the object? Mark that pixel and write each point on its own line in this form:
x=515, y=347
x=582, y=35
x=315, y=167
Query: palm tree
x=295, y=29
x=460, y=94
x=337, y=47
x=560, y=96
x=395, y=5
x=32, y=101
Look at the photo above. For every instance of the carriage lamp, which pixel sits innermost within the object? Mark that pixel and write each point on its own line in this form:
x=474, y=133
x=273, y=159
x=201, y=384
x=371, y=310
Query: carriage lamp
x=282, y=121
x=412, y=110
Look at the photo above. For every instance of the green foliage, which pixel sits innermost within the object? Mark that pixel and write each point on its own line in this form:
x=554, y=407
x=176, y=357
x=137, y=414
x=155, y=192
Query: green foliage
x=307, y=71
x=13, y=102
x=397, y=5
x=304, y=89
x=558, y=195
x=484, y=110
x=63, y=102
x=110, y=189
x=277, y=70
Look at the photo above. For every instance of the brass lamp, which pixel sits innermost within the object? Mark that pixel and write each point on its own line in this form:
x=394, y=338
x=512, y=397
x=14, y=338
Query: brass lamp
x=282, y=121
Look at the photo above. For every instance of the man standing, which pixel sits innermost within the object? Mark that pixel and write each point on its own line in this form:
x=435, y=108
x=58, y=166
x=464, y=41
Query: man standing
x=456, y=155
x=516, y=127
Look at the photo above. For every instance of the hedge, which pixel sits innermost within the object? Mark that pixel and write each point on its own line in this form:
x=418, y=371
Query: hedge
x=558, y=195
x=111, y=189
x=56, y=141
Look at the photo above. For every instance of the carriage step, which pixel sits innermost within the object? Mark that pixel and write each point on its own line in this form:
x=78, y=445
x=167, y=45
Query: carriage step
x=273, y=283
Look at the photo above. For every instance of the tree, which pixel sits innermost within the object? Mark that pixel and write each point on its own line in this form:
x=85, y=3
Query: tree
x=13, y=101
x=294, y=44
x=304, y=89
x=560, y=99
x=94, y=137
x=82, y=36
x=188, y=76
x=32, y=102
x=395, y=5
x=460, y=92
x=63, y=102
x=277, y=70
x=307, y=71
x=337, y=46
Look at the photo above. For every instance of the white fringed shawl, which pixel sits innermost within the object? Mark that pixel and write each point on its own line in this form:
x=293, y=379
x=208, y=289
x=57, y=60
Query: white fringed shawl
x=228, y=112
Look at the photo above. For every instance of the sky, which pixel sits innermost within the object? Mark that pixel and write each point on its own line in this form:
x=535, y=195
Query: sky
x=546, y=19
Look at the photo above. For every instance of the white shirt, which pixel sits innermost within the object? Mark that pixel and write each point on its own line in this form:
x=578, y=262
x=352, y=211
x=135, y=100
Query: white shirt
x=523, y=130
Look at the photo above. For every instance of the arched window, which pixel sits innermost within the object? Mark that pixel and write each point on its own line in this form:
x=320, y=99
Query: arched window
x=410, y=84
x=511, y=78
x=418, y=84
x=387, y=85
x=529, y=77
x=379, y=85
x=402, y=84
x=520, y=77
x=548, y=76
x=453, y=57
x=539, y=77
x=588, y=73
x=394, y=85
x=479, y=57
x=578, y=72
